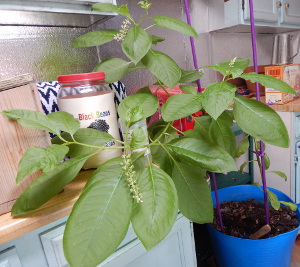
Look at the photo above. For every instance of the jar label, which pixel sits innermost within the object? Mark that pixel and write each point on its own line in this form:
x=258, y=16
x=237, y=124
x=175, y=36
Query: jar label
x=95, y=110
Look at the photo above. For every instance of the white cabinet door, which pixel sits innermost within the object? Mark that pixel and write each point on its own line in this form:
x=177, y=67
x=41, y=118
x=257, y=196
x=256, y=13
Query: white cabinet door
x=290, y=12
x=176, y=250
x=264, y=11
x=10, y=258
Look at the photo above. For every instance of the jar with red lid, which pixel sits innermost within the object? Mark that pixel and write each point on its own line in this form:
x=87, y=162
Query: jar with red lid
x=88, y=98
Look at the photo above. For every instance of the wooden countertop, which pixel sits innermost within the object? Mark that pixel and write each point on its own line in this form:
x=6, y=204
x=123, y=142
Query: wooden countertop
x=293, y=106
x=57, y=207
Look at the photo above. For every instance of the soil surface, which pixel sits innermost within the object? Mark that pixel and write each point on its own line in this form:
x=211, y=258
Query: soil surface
x=241, y=219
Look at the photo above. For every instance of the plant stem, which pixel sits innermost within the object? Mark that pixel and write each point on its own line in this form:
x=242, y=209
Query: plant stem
x=182, y=133
x=160, y=136
x=149, y=27
x=213, y=176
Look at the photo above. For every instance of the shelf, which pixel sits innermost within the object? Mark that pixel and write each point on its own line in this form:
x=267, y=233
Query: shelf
x=258, y=29
x=63, y=13
x=293, y=106
x=56, y=208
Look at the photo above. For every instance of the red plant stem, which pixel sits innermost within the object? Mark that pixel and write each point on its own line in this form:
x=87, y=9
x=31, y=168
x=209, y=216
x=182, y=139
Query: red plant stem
x=213, y=176
x=188, y=18
x=261, y=152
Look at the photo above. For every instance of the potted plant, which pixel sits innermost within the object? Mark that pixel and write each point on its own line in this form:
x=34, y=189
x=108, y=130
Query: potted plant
x=125, y=190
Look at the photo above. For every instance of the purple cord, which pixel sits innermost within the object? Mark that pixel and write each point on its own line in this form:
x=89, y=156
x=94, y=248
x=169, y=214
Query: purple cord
x=213, y=176
x=188, y=18
x=187, y=12
x=263, y=170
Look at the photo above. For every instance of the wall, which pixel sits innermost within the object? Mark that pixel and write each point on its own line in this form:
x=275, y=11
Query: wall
x=46, y=52
x=210, y=47
x=175, y=44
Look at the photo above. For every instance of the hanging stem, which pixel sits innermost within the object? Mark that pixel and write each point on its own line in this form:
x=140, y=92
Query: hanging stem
x=213, y=176
x=188, y=18
x=261, y=152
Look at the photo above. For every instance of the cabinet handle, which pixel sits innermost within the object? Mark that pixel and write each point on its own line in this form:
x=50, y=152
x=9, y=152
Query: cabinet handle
x=278, y=4
x=286, y=5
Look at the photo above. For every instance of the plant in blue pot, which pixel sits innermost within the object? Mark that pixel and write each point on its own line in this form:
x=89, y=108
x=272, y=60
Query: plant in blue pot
x=125, y=191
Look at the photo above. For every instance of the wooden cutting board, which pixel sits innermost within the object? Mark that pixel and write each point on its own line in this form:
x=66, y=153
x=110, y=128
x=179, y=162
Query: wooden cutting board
x=18, y=92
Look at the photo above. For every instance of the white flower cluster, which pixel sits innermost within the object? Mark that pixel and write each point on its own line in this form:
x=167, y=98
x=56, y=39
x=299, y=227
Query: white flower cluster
x=232, y=62
x=130, y=175
x=124, y=29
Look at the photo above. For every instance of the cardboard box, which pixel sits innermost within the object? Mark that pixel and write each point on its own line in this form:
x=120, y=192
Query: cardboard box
x=290, y=74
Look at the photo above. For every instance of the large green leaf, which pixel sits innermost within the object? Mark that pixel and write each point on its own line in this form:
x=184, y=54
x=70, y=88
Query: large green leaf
x=47, y=185
x=138, y=138
x=202, y=124
x=234, y=67
x=269, y=82
x=163, y=67
x=100, y=217
x=203, y=154
x=220, y=133
x=146, y=104
x=217, y=97
x=96, y=139
x=181, y=105
x=153, y=219
x=194, y=194
x=94, y=38
x=32, y=119
x=106, y=7
x=136, y=44
x=188, y=89
x=188, y=76
x=36, y=158
x=65, y=121
x=114, y=69
x=174, y=24
x=260, y=121
x=242, y=147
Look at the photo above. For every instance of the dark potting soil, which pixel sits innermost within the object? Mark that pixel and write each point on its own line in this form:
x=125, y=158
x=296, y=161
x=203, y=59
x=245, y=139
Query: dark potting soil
x=246, y=217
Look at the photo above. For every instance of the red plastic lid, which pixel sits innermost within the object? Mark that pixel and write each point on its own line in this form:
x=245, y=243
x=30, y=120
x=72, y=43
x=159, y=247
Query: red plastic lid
x=92, y=76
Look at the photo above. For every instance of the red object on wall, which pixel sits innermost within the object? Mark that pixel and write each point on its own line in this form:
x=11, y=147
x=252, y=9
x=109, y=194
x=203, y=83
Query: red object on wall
x=183, y=124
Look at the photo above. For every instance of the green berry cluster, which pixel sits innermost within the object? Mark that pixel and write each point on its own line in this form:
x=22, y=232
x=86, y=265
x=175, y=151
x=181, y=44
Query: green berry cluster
x=131, y=179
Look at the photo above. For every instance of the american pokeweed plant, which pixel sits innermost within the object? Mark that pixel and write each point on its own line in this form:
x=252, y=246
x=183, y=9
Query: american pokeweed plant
x=125, y=190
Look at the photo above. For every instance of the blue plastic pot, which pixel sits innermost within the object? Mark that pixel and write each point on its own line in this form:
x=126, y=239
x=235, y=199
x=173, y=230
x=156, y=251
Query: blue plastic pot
x=238, y=252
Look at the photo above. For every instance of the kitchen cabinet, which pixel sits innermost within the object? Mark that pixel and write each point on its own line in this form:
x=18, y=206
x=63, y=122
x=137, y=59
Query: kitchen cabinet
x=290, y=12
x=271, y=16
x=10, y=258
x=66, y=13
x=176, y=250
